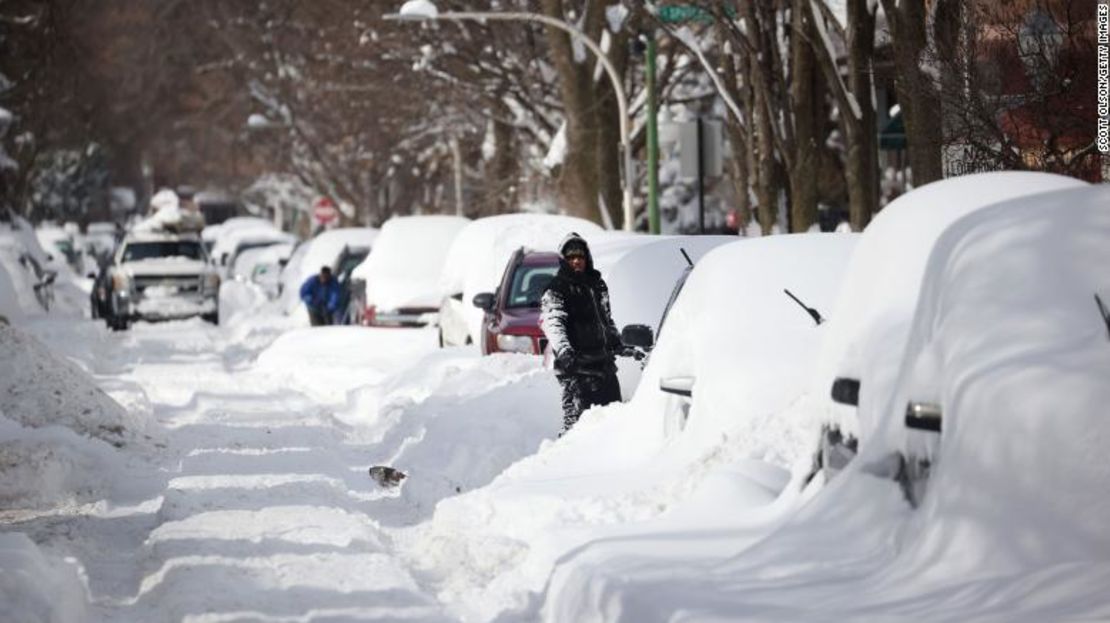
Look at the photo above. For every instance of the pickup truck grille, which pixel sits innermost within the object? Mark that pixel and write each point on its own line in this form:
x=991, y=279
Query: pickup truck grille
x=183, y=283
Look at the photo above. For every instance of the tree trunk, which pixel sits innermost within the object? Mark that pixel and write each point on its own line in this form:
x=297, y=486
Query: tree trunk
x=804, y=93
x=738, y=134
x=579, y=181
x=921, y=108
x=863, y=153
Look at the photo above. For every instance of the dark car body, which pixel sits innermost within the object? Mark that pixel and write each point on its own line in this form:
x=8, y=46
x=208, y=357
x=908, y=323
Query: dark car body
x=344, y=264
x=512, y=318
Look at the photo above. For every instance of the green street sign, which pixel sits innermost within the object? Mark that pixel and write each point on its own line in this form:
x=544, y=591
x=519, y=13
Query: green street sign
x=680, y=13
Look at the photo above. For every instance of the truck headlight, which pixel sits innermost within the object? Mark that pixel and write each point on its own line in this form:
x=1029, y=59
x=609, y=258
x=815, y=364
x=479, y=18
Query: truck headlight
x=514, y=344
x=212, y=282
x=121, y=283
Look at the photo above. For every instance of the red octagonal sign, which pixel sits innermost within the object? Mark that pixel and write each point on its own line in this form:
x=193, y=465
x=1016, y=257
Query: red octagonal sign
x=324, y=211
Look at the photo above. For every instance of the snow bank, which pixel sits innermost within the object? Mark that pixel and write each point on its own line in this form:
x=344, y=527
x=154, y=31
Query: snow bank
x=477, y=257
x=868, y=329
x=328, y=362
x=408, y=258
x=238, y=300
x=312, y=254
x=52, y=466
x=38, y=389
x=36, y=587
x=11, y=296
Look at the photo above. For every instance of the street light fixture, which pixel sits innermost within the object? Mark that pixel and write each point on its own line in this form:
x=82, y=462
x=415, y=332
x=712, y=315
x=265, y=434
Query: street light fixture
x=424, y=10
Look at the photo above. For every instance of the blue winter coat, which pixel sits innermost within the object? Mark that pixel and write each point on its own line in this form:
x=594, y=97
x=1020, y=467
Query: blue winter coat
x=317, y=295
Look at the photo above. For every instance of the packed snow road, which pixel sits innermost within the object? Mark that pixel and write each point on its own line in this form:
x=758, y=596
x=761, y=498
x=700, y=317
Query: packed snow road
x=256, y=504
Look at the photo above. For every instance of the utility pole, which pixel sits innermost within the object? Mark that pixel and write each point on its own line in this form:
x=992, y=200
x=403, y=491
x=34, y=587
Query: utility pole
x=652, y=135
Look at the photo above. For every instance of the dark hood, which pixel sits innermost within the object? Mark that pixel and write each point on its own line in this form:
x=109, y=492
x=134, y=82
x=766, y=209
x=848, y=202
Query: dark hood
x=563, y=266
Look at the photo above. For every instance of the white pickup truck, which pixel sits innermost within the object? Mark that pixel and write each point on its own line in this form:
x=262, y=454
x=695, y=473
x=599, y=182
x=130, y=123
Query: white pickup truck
x=162, y=276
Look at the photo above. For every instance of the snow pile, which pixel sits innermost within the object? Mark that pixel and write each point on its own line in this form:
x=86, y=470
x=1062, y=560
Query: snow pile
x=622, y=467
x=13, y=295
x=57, y=428
x=453, y=421
x=238, y=300
x=477, y=258
x=315, y=253
x=408, y=258
x=328, y=362
x=36, y=587
x=39, y=389
x=167, y=214
x=869, y=326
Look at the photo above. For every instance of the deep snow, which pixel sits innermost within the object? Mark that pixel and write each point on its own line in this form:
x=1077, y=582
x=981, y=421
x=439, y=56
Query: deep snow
x=221, y=473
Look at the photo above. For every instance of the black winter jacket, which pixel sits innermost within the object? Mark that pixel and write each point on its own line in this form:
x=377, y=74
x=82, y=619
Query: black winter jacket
x=576, y=317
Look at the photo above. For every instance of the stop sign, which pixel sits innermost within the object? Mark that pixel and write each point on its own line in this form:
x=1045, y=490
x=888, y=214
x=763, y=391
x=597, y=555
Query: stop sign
x=324, y=211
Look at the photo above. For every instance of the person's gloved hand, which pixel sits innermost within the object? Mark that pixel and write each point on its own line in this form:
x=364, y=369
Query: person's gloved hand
x=631, y=351
x=567, y=360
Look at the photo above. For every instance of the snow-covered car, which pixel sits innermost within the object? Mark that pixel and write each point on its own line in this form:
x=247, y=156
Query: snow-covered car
x=869, y=327
x=313, y=254
x=1003, y=385
x=477, y=259
x=400, y=279
x=740, y=339
x=100, y=238
x=162, y=276
x=512, y=312
x=231, y=244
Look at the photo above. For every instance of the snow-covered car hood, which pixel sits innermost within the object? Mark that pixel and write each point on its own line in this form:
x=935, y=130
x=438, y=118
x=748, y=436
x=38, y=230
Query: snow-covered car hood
x=165, y=266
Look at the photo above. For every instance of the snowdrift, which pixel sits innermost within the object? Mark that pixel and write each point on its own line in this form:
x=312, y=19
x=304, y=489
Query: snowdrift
x=36, y=587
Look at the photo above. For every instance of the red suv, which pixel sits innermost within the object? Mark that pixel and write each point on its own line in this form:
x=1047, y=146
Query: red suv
x=512, y=319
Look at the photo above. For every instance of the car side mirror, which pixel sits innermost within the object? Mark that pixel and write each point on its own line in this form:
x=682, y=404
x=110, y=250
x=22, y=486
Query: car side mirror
x=638, y=335
x=484, y=301
x=846, y=391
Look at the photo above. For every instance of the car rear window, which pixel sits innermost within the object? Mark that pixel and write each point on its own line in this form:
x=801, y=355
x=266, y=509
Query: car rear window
x=162, y=248
x=528, y=285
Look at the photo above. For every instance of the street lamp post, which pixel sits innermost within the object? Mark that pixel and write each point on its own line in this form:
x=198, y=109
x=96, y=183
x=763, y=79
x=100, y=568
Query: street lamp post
x=423, y=10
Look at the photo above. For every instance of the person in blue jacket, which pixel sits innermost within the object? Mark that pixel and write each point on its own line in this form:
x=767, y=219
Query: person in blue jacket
x=320, y=294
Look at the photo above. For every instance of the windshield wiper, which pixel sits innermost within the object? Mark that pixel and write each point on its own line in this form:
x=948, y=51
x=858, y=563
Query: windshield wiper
x=813, y=313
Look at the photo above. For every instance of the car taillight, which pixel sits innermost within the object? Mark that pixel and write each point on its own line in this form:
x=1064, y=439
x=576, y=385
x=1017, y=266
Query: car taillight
x=368, y=315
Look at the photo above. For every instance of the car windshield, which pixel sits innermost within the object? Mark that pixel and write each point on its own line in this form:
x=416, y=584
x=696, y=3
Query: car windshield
x=162, y=248
x=528, y=285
